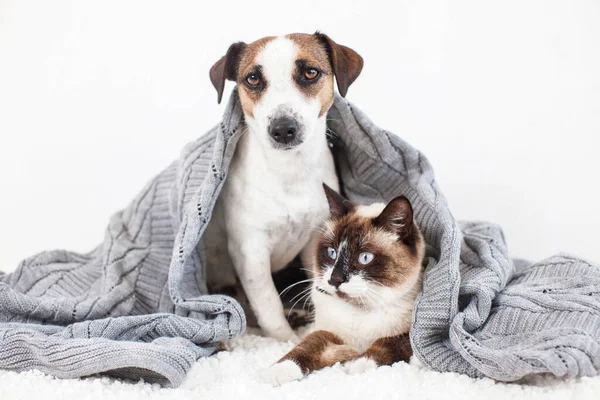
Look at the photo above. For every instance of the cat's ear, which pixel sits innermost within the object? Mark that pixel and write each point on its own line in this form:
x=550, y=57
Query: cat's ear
x=397, y=217
x=338, y=205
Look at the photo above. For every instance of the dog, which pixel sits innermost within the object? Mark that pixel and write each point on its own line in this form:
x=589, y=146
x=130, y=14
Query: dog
x=272, y=201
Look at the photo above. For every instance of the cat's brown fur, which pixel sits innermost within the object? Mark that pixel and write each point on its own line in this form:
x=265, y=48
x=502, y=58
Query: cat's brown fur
x=363, y=304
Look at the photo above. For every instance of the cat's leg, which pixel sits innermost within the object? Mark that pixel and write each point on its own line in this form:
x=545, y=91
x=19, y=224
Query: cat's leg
x=385, y=351
x=318, y=350
x=390, y=350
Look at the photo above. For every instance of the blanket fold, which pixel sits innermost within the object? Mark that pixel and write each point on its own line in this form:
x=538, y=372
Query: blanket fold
x=137, y=306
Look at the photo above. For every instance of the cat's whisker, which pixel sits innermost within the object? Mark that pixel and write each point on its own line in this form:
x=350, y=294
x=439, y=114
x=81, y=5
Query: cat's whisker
x=366, y=293
x=302, y=293
x=331, y=133
x=284, y=291
x=362, y=301
x=305, y=300
x=333, y=119
x=376, y=297
x=371, y=299
x=294, y=305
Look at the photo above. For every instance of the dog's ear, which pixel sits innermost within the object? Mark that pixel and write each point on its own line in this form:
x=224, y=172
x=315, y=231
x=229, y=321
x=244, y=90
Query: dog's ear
x=226, y=68
x=338, y=205
x=346, y=63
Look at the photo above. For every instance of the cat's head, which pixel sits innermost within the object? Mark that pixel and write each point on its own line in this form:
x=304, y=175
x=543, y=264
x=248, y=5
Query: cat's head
x=368, y=255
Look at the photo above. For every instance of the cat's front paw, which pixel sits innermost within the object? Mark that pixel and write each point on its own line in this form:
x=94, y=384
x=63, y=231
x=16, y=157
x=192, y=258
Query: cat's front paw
x=360, y=365
x=282, y=372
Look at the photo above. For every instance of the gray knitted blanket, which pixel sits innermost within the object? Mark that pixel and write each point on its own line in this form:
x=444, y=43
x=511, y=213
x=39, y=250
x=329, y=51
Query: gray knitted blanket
x=136, y=306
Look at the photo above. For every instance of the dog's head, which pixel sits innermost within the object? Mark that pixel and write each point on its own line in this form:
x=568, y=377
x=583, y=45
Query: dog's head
x=285, y=83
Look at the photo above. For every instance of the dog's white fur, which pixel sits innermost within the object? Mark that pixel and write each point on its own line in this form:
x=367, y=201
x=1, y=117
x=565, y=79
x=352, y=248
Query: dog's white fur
x=387, y=311
x=272, y=201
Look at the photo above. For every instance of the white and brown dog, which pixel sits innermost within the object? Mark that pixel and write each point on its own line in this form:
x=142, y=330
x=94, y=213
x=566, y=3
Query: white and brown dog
x=272, y=201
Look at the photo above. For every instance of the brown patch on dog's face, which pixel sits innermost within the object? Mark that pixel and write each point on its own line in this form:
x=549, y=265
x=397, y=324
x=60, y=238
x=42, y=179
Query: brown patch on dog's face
x=248, y=65
x=287, y=75
x=312, y=55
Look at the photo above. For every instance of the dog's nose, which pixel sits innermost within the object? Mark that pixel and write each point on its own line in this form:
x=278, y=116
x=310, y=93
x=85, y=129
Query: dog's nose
x=283, y=130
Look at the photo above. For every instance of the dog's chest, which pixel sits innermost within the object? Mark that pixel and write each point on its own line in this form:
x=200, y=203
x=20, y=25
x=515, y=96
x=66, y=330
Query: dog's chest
x=291, y=220
x=286, y=218
x=277, y=207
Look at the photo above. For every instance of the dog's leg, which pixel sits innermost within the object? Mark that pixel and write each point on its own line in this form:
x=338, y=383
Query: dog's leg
x=252, y=263
x=307, y=255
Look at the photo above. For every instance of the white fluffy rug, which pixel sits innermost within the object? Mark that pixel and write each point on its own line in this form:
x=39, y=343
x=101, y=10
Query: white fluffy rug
x=233, y=375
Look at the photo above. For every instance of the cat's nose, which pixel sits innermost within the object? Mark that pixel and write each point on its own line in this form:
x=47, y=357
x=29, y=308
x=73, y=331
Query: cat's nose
x=336, y=281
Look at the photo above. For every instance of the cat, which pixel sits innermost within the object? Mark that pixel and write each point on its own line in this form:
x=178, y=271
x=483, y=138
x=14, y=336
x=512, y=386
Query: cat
x=367, y=272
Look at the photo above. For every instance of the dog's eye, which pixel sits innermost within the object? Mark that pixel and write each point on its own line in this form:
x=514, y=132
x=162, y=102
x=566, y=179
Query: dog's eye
x=253, y=80
x=331, y=253
x=365, y=258
x=311, y=74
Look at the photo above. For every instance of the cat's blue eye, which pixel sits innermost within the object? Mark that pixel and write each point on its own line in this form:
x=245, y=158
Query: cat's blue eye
x=365, y=258
x=331, y=253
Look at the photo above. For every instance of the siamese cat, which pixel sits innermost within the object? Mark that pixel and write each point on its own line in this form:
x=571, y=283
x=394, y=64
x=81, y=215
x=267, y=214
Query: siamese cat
x=367, y=272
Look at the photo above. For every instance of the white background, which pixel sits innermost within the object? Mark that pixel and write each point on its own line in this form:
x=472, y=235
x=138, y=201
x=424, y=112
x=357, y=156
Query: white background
x=503, y=97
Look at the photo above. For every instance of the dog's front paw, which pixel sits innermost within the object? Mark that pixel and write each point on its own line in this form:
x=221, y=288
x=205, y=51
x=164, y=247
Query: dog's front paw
x=360, y=365
x=282, y=372
x=283, y=334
